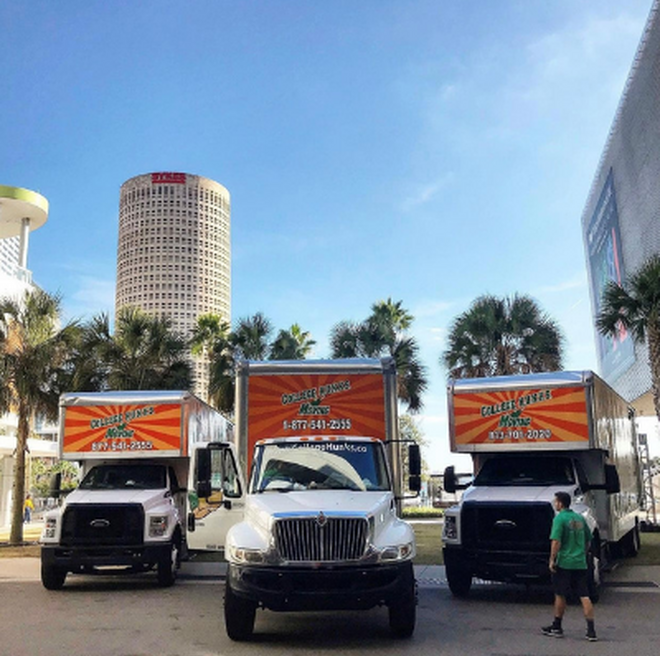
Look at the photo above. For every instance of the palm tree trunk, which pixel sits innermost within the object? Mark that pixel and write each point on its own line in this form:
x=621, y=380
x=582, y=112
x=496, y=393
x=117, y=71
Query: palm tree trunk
x=18, y=493
x=653, y=333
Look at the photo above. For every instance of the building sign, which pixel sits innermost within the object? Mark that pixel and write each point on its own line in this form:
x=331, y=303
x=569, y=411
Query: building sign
x=168, y=178
x=605, y=260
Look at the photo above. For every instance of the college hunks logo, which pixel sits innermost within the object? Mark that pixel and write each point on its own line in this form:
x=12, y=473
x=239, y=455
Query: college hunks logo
x=514, y=416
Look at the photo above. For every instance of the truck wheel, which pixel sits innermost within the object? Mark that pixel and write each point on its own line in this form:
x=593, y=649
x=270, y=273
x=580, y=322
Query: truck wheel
x=167, y=566
x=52, y=577
x=459, y=577
x=593, y=578
x=239, y=615
x=403, y=611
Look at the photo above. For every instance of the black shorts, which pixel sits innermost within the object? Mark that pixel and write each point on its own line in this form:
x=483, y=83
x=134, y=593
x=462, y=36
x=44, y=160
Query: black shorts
x=565, y=581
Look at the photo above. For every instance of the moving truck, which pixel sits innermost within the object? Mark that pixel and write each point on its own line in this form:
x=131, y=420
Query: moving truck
x=160, y=476
x=531, y=436
x=321, y=530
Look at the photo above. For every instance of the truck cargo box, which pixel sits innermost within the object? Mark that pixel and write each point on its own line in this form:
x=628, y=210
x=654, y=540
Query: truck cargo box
x=546, y=411
x=136, y=424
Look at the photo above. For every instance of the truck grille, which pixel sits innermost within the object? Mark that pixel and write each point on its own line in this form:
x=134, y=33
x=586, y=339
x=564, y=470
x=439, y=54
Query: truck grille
x=321, y=539
x=117, y=524
x=507, y=526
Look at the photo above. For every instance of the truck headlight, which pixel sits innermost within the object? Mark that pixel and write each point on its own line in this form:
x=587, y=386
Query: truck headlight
x=399, y=552
x=243, y=556
x=450, y=530
x=158, y=526
x=50, y=528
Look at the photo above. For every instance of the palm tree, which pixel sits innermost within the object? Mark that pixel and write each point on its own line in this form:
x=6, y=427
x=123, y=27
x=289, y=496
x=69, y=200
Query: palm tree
x=34, y=355
x=250, y=337
x=144, y=353
x=635, y=307
x=503, y=336
x=291, y=344
x=384, y=333
x=212, y=338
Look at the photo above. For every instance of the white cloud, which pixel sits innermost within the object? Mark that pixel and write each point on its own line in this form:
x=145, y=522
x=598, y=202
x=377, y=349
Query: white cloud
x=426, y=192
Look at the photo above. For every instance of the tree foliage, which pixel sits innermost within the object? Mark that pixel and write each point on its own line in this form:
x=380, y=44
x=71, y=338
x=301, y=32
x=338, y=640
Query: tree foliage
x=249, y=340
x=384, y=333
x=503, y=336
x=34, y=364
x=634, y=308
x=144, y=352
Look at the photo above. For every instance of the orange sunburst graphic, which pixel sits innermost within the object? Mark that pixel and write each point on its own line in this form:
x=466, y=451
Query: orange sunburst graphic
x=137, y=427
x=521, y=416
x=319, y=404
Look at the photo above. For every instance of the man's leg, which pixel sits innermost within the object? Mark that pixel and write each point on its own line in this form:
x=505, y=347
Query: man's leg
x=560, y=606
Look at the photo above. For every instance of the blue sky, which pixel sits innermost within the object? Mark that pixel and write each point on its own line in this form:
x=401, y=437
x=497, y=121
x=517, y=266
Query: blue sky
x=427, y=150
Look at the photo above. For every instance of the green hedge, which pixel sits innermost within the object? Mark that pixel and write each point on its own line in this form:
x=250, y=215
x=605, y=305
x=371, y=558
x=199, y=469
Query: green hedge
x=421, y=512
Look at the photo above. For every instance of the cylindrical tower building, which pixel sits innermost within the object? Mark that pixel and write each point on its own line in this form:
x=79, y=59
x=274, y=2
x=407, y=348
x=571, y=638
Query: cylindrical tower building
x=174, y=253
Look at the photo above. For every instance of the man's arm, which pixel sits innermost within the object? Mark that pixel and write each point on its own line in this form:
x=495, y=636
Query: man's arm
x=555, y=546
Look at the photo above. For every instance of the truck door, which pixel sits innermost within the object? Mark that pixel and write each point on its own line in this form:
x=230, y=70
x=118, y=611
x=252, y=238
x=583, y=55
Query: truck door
x=217, y=499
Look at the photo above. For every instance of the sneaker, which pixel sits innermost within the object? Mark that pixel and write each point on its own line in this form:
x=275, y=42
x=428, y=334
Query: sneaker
x=591, y=636
x=554, y=631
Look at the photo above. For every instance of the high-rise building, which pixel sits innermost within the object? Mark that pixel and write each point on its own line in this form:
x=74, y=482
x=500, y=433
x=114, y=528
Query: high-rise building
x=174, y=254
x=21, y=212
x=621, y=218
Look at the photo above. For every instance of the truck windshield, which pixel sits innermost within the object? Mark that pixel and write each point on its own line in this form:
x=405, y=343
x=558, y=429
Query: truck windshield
x=121, y=477
x=526, y=471
x=327, y=465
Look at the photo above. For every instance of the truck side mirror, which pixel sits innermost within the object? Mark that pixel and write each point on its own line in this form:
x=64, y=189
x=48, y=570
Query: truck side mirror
x=55, y=488
x=453, y=482
x=414, y=468
x=450, y=481
x=612, y=482
x=203, y=473
x=414, y=460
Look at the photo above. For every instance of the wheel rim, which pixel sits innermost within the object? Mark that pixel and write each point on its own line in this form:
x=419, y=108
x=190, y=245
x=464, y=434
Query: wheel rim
x=174, y=557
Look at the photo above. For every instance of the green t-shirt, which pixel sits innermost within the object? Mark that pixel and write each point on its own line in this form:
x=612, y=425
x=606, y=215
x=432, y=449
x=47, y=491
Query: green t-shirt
x=574, y=535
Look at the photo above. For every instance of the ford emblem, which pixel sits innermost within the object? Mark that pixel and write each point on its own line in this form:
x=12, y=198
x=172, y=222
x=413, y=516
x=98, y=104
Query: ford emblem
x=506, y=524
x=99, y=523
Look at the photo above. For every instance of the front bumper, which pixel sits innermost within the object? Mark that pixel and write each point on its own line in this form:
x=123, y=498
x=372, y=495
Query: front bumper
x=323, y=588
x=80, y=559
x=507, y=566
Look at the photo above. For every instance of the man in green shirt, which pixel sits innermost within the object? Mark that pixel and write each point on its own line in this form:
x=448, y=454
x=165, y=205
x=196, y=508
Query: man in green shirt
x=570, y=538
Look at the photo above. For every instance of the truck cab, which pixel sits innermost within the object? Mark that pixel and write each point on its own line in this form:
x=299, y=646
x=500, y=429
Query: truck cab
x=160, y=477
x=321, y=529
x=530, y=437
x=320, y=532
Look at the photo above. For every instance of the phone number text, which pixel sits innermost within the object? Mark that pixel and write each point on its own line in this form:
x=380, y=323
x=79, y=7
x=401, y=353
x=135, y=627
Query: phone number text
x=119, y=445
x=529, y=434
x=316, y=424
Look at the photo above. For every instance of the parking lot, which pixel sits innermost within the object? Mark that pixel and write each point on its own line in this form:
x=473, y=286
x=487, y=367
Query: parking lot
x=122, y=616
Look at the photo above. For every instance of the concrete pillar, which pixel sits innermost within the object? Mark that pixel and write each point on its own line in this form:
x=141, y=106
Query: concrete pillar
x=25, y=237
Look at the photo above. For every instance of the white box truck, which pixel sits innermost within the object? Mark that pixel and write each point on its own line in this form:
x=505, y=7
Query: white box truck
x=531, y=436
x=160, y=476
x=321, y=530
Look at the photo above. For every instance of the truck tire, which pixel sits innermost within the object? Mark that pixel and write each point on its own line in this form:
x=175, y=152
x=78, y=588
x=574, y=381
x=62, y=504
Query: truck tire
x=403, y=611
x=239, y=615
x=459, y=578
x=593, y=578
x=632, y=542
x=168, y=565
x=52, y=577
